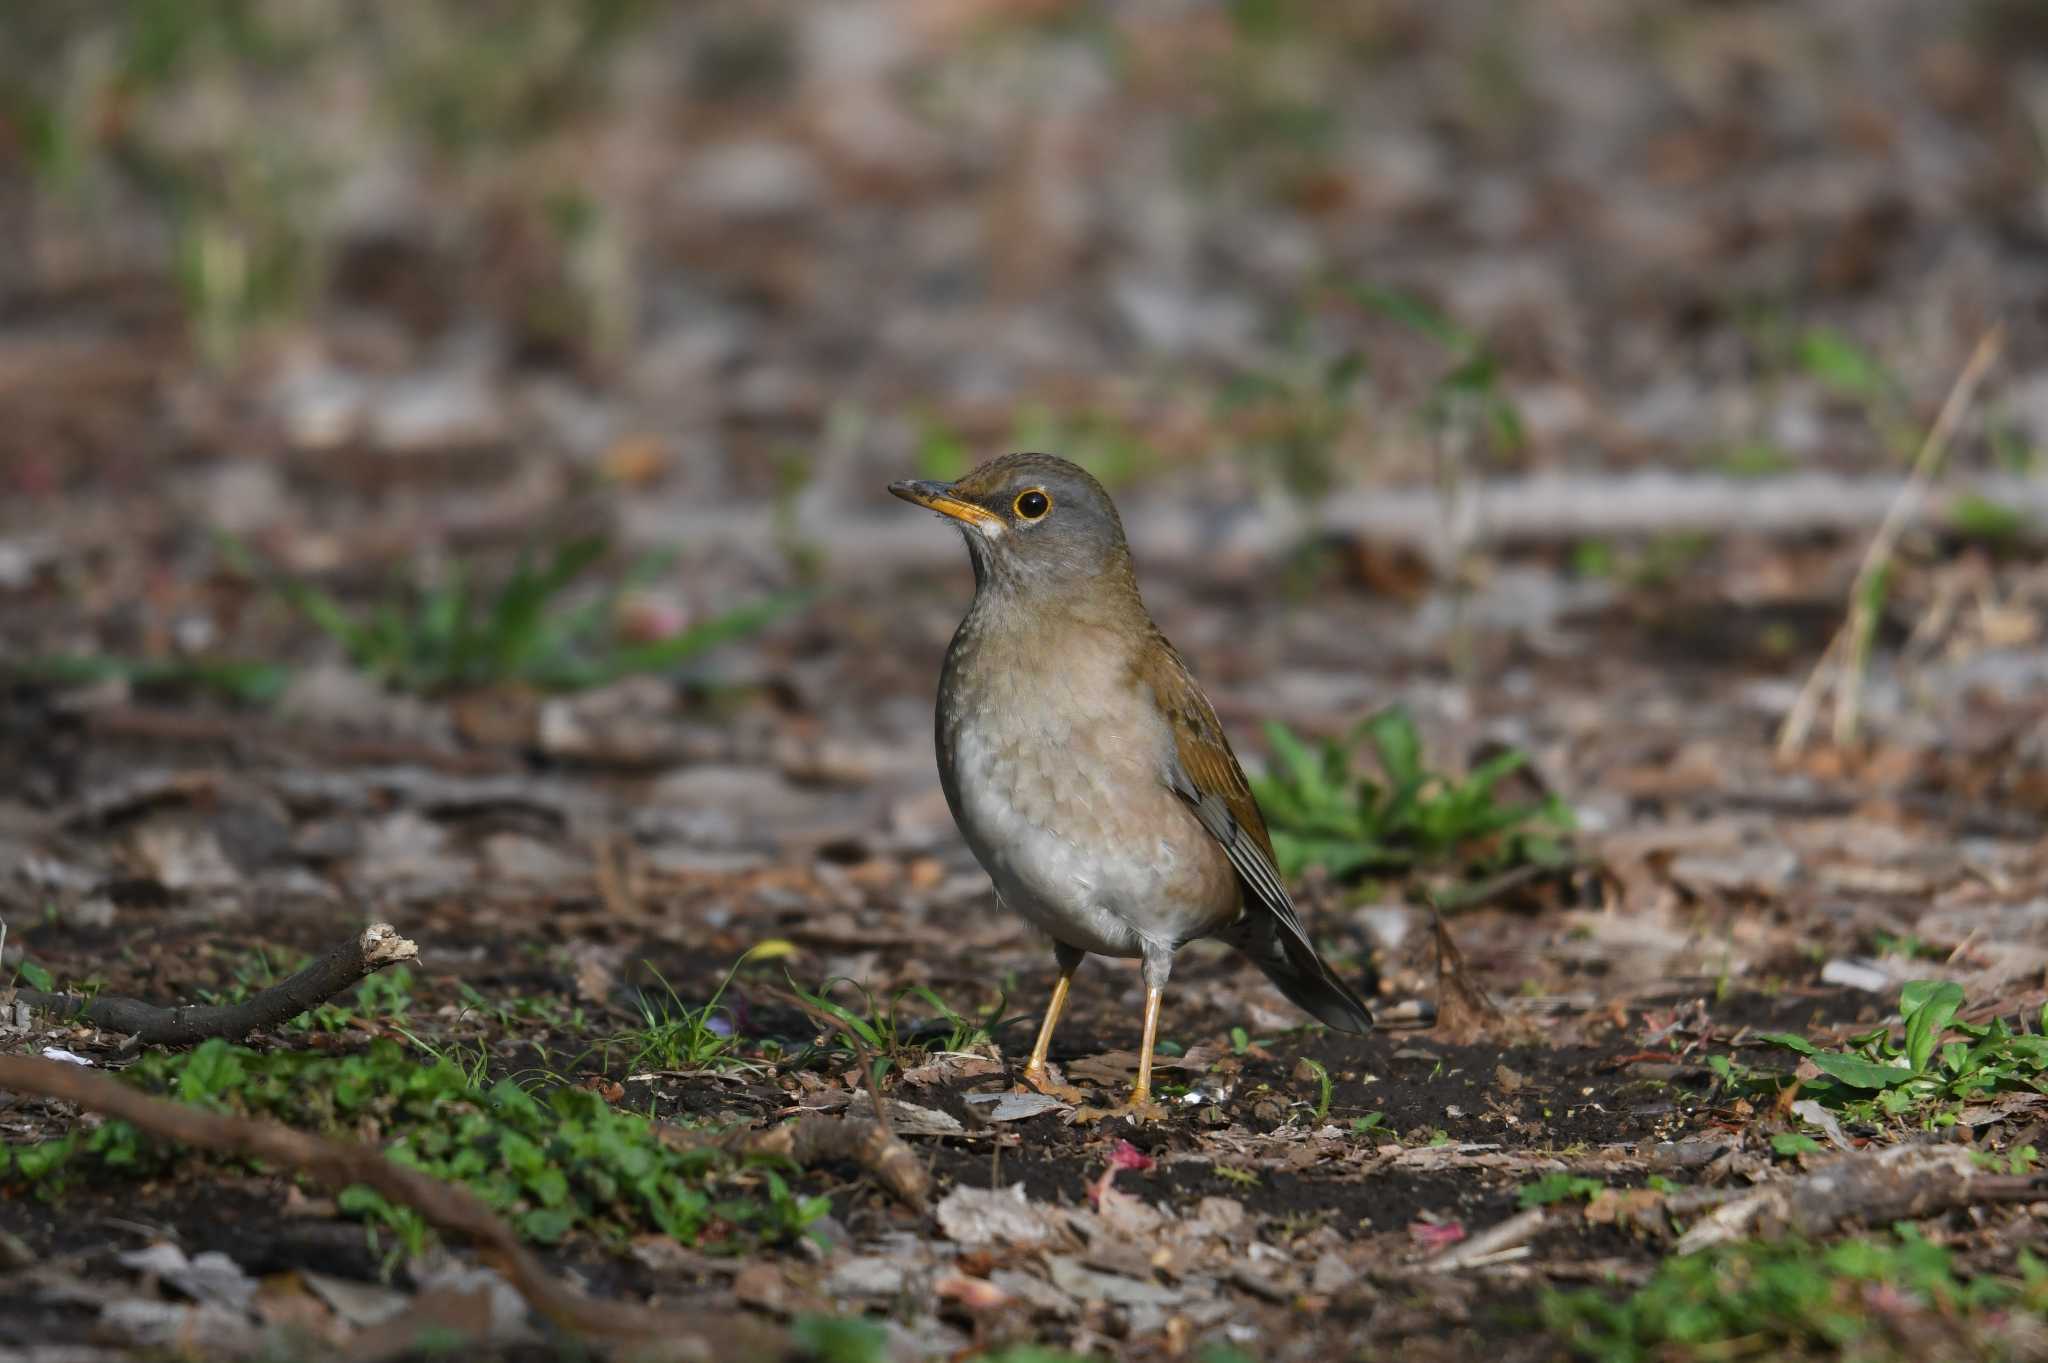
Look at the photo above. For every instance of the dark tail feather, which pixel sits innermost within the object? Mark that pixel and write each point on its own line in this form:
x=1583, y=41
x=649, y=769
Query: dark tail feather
x=1309, y=983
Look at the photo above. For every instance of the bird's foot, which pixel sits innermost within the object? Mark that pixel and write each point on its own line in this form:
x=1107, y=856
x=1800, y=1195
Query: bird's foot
x=1040, y=1080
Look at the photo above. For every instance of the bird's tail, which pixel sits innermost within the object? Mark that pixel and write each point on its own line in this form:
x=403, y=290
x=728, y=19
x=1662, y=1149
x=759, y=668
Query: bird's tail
x=1307, y=980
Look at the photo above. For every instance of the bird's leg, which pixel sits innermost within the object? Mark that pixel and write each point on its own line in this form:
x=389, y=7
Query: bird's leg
x=1141, y=1092
x=1158, y=965
x=1034, y=1069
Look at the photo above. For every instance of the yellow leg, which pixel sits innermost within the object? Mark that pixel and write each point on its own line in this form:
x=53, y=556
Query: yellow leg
x=1141, y=1092
x=1034, y=1069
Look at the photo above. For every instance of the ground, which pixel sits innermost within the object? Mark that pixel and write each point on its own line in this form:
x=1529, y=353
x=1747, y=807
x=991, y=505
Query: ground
x=1544, y=381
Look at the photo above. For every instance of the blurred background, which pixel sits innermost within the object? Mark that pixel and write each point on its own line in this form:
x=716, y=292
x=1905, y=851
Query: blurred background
x=276, y=265
x=523, y=346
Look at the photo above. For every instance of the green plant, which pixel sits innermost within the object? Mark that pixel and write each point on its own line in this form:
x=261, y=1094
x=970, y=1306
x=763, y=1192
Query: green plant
x=236, y=200
x=99, y=99
x=1905, y=944
x=1466, y=399
x=1100, y=441
x=855, y=1339
x=885, y=1036
x=674, y=1035
x=1324, y=1088
x=243, y=683
x=1755, y=459
x=1263, y=121
x=840, y=1339
x=1849, y=649
x=942, y=454
x=33, y=975
x=1321, y=812
x=523, y=1010
x=553, y=1163
x=1739, y=1078
x=1559, y=1186
x=472, y=89
x=1993, y=523
x=1594, y=558
x=1924, y=1073
x=1883, y=1298
x=453, y=634
x=1295, y=415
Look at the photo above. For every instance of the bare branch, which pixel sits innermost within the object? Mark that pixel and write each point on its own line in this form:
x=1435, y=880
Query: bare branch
x=1848, y=651
x=345, y=964
x=1866, y=1187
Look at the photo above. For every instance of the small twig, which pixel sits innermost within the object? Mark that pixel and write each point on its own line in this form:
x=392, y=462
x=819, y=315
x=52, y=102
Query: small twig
x=1464, y=1010
x=607, y=860
x=1867, y=1187
x=448, y=1207
x=347, y=963
x=1513, y=1233
x=814, y=1138
x=867, y=1059
x=1848, y=651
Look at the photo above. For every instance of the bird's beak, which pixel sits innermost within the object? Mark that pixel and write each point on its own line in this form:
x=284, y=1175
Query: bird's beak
x=939, y=497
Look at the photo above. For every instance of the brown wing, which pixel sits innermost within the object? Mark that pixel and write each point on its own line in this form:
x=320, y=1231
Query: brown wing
x=1206, y=775
x=1205, y=754
x=1213, y=784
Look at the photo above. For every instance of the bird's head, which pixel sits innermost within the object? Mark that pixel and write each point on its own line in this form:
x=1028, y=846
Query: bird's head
x=1034, y=523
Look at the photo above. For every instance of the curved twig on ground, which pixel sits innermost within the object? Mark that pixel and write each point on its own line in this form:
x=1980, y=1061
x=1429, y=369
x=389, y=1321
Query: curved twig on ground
x=447, y=1207
x=343, y=965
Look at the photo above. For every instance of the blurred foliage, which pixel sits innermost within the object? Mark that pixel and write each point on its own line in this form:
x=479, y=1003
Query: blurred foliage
x=1884, y=1297
x=1101, y=441
x=1295, y=415
x=214, y=114
x=453, y=634
x=1755, y=459
x=1988, y=522
x=243, y=682
x=1659, y=561
x=1467, y=400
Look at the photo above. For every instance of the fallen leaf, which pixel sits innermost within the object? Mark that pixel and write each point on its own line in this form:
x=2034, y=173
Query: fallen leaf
x=980, y=1216
x=976, y=1294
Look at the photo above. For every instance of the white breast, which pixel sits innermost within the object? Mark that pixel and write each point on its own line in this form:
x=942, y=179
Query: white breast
x=1061, y=793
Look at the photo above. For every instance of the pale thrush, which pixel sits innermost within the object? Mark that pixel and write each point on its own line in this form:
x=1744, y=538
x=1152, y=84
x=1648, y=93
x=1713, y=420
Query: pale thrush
x=1084, y=766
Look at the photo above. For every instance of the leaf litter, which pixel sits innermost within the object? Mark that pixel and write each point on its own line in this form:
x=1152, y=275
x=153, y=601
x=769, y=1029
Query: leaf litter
x=1648, y=986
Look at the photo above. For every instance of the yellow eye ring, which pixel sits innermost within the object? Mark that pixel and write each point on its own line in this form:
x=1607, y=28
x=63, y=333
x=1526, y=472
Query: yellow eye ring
x=1032, y=505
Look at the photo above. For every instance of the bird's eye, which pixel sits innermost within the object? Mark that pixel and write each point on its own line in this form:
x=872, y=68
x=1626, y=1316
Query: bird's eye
x=1032, y=505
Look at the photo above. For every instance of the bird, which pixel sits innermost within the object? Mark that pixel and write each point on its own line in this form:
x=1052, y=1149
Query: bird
x=1084, y=766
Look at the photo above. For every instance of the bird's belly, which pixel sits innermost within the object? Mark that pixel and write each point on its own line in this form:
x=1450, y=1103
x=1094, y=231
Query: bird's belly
x=1096, y=851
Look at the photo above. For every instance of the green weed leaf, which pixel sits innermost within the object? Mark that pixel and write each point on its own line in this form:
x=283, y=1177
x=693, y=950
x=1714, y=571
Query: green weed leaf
x=1928, y=1007
x=1860, y=1073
